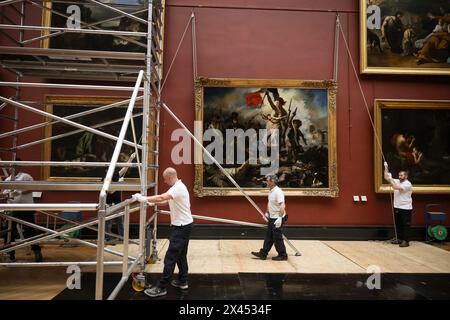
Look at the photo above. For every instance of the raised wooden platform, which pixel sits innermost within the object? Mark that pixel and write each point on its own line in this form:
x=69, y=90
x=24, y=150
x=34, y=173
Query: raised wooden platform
x=232, y=257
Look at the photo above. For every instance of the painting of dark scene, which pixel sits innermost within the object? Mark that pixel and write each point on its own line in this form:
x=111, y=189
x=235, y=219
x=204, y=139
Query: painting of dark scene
x=418, y=140
x=101, y=18
x=301, y=116
x=85, y=146
x=411, y=36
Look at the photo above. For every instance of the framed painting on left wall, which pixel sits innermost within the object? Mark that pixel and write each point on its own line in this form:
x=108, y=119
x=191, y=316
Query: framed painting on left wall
x=68, y=143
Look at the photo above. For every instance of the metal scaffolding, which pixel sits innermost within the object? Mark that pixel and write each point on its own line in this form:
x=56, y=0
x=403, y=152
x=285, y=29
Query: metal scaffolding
x=143, y=67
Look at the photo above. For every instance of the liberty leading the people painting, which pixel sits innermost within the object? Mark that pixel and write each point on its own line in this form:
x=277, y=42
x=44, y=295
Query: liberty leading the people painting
x=257, y=127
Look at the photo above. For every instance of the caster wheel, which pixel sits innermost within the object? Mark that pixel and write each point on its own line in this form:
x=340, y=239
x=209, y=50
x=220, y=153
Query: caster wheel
x=138, y=283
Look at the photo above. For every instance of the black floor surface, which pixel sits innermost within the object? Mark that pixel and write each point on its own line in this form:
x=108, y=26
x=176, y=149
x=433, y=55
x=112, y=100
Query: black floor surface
x=278, y=286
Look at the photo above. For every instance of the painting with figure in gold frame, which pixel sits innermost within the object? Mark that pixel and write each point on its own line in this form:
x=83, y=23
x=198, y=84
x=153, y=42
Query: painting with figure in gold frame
x=68, y=143
x=414, y=135
x=405, y=37
x=93, y=16
x=303, y=114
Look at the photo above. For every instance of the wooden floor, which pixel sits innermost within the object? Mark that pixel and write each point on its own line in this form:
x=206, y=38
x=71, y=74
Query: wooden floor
x=230, y=257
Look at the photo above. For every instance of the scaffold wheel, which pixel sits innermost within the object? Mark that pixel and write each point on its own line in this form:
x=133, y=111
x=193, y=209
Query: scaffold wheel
x=138, y=282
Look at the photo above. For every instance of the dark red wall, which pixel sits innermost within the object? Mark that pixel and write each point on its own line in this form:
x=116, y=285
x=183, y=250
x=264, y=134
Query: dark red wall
x=286, y=40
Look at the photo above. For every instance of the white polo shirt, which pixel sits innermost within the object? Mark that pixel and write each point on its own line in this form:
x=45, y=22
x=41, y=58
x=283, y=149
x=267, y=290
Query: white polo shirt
x=403, y=198
x=17, y=195
x=180, y=205
x=276, y=199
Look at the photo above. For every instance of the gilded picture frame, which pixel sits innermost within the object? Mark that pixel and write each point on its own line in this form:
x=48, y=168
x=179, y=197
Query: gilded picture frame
x=405, y=37
x=58, y=15
x=414, y=136
x=65, y=15
x=82, y=146
x=228, y=97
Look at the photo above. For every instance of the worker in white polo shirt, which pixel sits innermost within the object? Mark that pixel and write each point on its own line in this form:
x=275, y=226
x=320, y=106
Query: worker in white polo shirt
x=180, y=229
x=276, y=216
x=26, y=197
x=402, y=205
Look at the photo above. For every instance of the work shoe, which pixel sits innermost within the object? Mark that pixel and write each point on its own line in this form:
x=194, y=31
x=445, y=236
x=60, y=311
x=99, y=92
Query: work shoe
x=396, y=241
x=12, y=257
x=259, y=255
x=154, y=292
x=404, y=244
x=179, y=284
x=38, y=256
x=280, y=258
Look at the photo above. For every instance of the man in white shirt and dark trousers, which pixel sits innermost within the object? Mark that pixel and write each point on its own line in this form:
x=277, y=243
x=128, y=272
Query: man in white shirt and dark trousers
x=22, y=196
x=277, y=216
x=402, y=205
x=180, y=229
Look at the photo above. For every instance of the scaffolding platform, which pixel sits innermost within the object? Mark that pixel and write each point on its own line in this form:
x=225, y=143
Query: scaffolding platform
x=73, y=64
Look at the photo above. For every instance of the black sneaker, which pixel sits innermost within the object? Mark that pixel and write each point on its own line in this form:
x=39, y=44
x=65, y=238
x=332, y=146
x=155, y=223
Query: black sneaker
x=396, y=241
x=280, y=258
x=259, y=255
x=404, y=244
x=154, y=292
x=179, y=284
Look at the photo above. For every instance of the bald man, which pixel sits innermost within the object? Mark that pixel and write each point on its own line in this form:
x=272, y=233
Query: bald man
x=177, y=197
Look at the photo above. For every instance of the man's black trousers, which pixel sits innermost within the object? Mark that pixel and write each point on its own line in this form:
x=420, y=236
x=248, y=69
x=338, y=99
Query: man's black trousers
x=402, y=223
x=274, y=236
x=176, y=254
x=28, y=232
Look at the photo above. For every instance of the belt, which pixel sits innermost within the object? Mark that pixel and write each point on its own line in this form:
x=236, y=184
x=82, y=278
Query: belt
x=180, y=226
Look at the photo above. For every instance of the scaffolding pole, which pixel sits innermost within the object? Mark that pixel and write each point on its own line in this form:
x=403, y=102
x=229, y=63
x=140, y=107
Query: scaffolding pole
x=65, y=86
x=105, y=189
x=69, y=122
x=153, y=80
x=73, y=30
x=75, y=115
x=53, y=235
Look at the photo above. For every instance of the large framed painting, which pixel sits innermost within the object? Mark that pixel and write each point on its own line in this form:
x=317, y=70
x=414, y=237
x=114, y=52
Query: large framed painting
x=64, y=14
x=405, y=37
x=414, y=135
x=259, y=127
x=68, y=143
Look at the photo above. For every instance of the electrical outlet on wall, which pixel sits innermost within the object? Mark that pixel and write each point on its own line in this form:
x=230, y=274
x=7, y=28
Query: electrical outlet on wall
x=37, y=194
x=363, y=198
x=356, y=198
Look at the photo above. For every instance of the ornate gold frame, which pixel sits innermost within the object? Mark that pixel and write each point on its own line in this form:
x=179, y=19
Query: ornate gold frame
x=364, y=68
x=46, y=22
x=331, y=191
x=381, y=104
x=82, y=101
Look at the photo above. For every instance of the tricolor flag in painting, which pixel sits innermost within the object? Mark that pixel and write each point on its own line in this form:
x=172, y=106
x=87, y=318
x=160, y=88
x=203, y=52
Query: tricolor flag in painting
x=253, y=99
x=274, y=92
